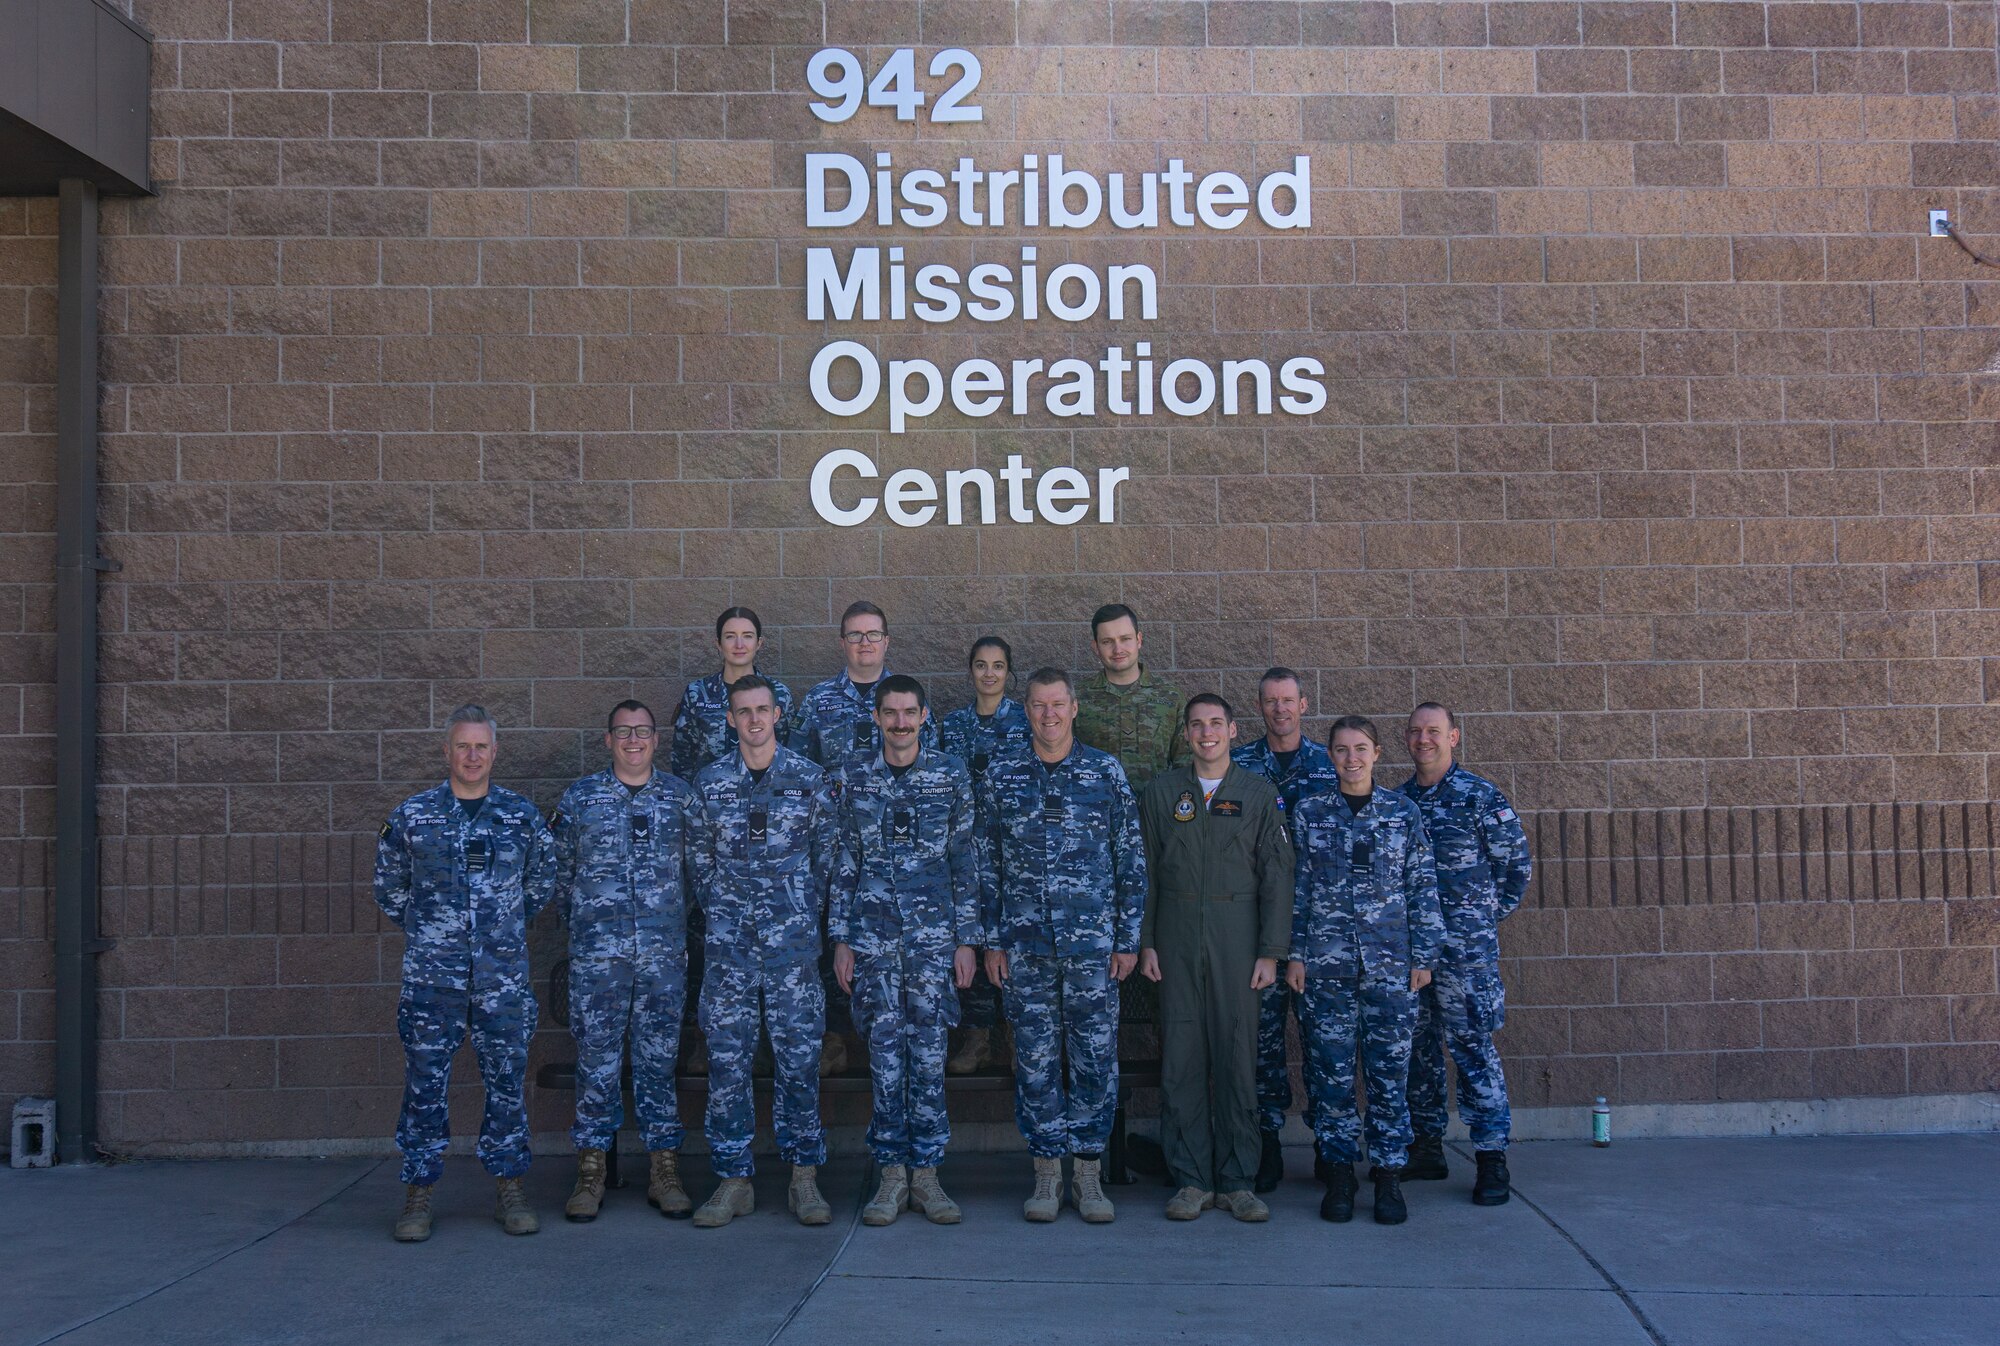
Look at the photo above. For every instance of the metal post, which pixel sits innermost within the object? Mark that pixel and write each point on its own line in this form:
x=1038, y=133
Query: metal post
x=77, y=565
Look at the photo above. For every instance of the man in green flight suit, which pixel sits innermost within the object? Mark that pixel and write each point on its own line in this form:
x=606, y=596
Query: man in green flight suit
x=1218, y=920
x=1124, y=710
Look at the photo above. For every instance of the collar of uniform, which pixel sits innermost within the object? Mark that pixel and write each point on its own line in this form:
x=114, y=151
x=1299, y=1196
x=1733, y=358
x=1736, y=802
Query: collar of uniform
x=1075, y=743
x=878, y=764
x=848, y=688
x=1417, y=790
x=609, y=776
x=1189, y=773
x=1102, y=682
x=742, y=768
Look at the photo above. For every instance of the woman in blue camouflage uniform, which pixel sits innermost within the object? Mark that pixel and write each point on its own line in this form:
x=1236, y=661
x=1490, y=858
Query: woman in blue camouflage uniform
x=1366, y=927
x=701, y=724
x=702, y=735
x=993, y=725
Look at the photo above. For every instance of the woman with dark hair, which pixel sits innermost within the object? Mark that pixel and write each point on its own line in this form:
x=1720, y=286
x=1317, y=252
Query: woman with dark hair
x=992, y=726
x=994, y=723
x=701, y=724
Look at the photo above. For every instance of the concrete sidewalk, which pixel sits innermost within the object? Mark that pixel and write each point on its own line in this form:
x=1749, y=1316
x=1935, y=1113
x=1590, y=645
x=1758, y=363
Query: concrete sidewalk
x=1822, y=1241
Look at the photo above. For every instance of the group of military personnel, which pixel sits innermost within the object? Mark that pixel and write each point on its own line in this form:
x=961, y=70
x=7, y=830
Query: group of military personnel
x=846, y=863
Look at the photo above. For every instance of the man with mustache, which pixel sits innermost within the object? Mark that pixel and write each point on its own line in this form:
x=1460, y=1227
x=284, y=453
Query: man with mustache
x=903, y=915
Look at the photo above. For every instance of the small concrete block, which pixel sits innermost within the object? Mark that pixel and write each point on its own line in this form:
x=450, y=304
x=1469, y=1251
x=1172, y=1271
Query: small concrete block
x=34, y=1140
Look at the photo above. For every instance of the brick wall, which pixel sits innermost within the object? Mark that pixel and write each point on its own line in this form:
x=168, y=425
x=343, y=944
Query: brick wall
x=27, y=640
x=463, y=353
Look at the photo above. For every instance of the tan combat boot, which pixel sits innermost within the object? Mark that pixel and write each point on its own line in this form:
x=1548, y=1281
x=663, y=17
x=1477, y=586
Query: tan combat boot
x=804, y=1198
x=890, y=1197
x=1189, y=1203
x=974, y=1054
x=1045, y=1203
x=832, y=1055
x=927, y=1198
x=1245, y=1206
x=414, y=1224
x=663, y=1187
x=512, y=1210
x=583, y=1203
x=1091, y=1203
x=733, y=1198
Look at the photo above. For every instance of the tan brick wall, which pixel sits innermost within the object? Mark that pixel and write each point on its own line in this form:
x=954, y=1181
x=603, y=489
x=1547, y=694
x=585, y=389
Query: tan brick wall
x=463, y=354
x=27, y=640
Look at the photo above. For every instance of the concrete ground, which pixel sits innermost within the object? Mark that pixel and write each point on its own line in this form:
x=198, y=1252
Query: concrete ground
x=1833, y=1240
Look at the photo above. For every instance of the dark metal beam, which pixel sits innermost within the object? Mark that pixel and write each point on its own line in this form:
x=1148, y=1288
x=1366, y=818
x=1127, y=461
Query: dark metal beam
x=77, y=565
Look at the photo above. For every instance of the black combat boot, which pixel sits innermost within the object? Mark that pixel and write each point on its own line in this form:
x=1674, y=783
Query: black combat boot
x=1337, y=1205
x=1389, y=1207
x=1492, y=1187
x=1426, y=1160
x=1270, y=1164
x=1322, y=1166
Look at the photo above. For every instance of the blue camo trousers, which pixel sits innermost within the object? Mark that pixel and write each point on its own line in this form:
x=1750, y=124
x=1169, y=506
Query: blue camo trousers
x=615, y=1006
x=1274, y=1079
x=1065, y=1017
x=1461, y=1010
x=905, y=1008
x=1375, y=1018
x=433, y=1021
x=785, y=997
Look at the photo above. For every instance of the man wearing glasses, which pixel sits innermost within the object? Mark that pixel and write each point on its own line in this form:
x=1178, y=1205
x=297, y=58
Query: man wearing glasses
x=832, y=724
x=836, y=719
x=621, y=881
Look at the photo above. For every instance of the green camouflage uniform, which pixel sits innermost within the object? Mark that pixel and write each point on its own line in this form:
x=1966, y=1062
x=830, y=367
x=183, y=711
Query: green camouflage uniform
x=1140, y=725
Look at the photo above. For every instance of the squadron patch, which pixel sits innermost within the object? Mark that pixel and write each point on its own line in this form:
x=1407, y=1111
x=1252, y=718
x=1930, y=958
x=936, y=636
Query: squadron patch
x=1184, y=807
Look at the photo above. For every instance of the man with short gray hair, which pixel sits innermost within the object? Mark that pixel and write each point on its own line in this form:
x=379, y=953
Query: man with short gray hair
x=1483, y=868
x=461, y=869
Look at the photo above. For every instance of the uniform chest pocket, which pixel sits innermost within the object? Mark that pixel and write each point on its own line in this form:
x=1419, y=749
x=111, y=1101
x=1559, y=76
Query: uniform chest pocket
x=1392, y=843
x=784, y=827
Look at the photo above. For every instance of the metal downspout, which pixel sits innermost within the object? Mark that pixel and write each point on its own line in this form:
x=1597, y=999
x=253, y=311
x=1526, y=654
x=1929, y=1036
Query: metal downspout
x=77, y=564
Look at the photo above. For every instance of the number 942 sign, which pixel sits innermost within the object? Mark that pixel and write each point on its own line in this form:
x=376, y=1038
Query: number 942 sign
x=836, y=76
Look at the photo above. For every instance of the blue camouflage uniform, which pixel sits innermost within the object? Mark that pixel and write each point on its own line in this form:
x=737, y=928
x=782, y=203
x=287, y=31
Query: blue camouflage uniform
x=703, y=734
x=977, y=741
x=1365, y=916
x=1483, y=868
x=1309, y=773
x=830, y=724
x=761, y=852
x=463, y=890
x=1062, y=887
x=622, y=887
x=905, y=895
